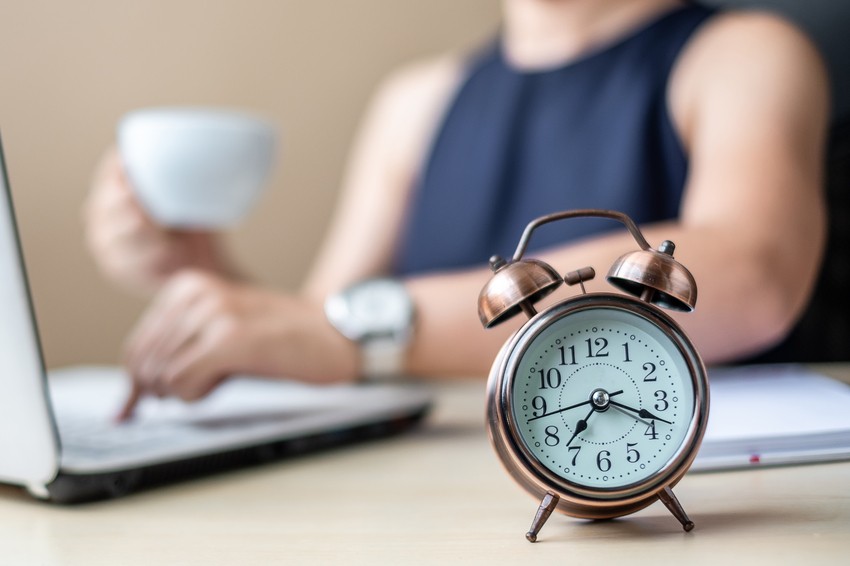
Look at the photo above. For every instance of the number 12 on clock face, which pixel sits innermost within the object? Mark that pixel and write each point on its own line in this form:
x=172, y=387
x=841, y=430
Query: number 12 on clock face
x=602, y=398
x=597, y=405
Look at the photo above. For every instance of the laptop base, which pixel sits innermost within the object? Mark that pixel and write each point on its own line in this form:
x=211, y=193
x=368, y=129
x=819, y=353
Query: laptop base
x=69, y=488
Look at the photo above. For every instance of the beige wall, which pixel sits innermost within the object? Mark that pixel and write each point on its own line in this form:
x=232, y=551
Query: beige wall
x=69, y=70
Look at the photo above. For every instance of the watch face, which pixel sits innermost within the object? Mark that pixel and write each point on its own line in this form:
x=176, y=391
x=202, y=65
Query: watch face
x=602, y=397
x=380, y=304
x=373, y=308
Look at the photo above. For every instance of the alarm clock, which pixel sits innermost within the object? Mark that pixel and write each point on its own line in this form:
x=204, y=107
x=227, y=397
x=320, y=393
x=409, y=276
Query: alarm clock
x=597, y=405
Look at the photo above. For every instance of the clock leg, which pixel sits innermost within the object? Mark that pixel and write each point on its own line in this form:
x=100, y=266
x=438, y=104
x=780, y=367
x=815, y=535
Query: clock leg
x=669, y=500
x=550, y=500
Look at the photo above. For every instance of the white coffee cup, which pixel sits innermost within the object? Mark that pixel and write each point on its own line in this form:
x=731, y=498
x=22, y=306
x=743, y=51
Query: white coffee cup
x=195, y=167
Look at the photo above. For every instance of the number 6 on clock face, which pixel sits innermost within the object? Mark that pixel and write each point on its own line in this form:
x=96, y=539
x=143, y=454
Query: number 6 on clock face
x=598, y=404
x=601, y=397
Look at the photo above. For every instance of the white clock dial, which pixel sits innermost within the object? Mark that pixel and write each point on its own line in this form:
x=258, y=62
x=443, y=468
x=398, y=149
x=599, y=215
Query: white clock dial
x=602, y=398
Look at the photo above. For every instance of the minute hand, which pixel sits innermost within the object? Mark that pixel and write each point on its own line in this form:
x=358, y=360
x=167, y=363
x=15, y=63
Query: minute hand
x=643, y=413
x=561, y=410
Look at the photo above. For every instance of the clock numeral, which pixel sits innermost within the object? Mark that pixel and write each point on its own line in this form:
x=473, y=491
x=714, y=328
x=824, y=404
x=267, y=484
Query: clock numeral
x=550, y=379
x=632, y=455
x=662, y=404
x=601, y=344
x=650, y=431
x=577, y=449
x=551, y=435
x=572, y=356
x=649, y=367
x=539, y=404
x=626, y=351
x=603, y=462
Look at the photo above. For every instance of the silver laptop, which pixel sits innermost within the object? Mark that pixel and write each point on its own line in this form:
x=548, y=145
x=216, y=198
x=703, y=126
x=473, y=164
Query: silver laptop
x=58, y=437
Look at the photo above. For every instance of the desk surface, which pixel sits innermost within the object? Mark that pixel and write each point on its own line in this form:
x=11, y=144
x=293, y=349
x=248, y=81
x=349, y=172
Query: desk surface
x=436, y=495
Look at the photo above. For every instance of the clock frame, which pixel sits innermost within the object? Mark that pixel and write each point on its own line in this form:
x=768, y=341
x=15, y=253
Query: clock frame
x=656, y=280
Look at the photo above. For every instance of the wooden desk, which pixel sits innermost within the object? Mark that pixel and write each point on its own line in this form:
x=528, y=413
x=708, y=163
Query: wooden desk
x=437, y=495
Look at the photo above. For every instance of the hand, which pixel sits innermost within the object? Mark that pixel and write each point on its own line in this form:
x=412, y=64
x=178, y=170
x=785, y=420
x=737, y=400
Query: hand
x=129, y=247
x=643, y=413
x=581, y=426
x=201, y=329
x=631, y=415
x=556, y=411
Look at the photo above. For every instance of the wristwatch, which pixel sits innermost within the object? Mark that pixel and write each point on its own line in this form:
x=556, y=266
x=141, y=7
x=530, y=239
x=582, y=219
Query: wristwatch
x=378, y=314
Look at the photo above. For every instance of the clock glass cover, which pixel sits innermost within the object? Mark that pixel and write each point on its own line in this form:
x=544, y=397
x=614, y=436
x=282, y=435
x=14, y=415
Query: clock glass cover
x=602, y=397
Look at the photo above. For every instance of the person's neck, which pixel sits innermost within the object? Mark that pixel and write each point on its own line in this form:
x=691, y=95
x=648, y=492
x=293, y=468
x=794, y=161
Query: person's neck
x=546, y=33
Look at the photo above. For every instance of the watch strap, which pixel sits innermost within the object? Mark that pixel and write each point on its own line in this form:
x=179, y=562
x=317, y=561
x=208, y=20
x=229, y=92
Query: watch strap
x=382, y=357
x=382, y=341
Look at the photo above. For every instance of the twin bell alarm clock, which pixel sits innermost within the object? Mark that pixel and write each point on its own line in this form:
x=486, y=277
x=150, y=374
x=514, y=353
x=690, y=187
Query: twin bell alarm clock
x=597, y=405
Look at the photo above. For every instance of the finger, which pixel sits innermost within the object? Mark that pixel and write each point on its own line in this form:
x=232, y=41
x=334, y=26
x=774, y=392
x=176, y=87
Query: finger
x=155, y=362
x=108, y=167
x=148, y=263
x=112, y=194
x=170, y=325
x=128, y=409
x=179, y=334
x=199, y=368
x=110, y=189
x=127, y=222
x=170, y=303
x=123, y=241
x=118, y=228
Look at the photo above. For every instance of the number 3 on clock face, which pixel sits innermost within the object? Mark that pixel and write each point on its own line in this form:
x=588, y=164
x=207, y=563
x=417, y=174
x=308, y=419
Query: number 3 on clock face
x=601, y=395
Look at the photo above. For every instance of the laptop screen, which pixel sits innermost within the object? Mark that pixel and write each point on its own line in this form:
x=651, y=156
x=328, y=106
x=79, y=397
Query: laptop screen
x=28, y=440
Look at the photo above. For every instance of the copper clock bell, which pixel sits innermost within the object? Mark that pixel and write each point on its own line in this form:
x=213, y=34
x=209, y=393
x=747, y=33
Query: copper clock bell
x=649, y=274
x=651, y=278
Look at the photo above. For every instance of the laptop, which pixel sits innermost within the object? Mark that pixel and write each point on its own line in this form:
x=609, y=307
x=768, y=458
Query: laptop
x=59, y=440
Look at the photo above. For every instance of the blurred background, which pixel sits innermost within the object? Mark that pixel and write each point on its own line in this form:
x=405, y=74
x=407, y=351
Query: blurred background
x=70, y=70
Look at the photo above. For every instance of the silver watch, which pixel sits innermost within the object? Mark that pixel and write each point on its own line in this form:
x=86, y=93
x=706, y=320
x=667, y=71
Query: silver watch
x=378, y=314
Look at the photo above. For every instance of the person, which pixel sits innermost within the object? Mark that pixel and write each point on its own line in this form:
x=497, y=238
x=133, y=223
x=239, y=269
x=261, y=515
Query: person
x=707, y=127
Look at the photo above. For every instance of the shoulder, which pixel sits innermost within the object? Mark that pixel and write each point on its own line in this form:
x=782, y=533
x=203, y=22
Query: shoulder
x=424, y=79
x=745, y=61
x=420, y=89
x=741, y=40
x=409, y=104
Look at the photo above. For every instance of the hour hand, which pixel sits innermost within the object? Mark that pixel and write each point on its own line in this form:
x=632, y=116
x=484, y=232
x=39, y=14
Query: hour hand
x=643, y=413
x=581, y=426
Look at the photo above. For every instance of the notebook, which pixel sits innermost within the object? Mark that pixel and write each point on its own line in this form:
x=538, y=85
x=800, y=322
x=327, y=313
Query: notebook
x=765, y=415
x=59, y=440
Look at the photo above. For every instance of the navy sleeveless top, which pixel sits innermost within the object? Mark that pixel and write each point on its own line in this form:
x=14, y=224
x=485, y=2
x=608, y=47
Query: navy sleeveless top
x=515, y=145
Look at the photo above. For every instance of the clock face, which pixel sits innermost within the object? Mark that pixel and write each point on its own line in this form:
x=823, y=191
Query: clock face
x=602, y=398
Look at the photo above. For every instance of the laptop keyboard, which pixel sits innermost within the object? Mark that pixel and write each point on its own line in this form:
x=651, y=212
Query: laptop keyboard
x=240, y=413
x=92, y=437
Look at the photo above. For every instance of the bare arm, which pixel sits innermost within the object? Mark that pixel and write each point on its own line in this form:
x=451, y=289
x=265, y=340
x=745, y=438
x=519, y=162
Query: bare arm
x=749, y=98
x=384, y=161
x=202, y=328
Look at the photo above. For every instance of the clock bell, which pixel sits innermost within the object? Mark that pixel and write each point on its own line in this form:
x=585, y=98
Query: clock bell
x=651, y=275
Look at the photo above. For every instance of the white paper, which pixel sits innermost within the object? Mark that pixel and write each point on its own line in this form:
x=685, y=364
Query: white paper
x=774, y=414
